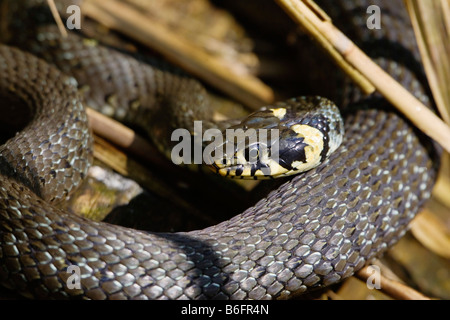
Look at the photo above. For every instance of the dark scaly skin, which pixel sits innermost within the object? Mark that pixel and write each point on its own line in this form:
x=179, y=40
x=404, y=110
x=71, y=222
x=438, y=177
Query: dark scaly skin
x=313, y=231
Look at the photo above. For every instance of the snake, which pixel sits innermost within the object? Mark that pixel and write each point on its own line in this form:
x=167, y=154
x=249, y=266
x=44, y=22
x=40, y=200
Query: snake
x=315, y=230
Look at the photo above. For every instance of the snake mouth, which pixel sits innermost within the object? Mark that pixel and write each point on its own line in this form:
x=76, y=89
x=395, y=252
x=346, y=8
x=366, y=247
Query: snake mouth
x=279, y=142
x=260, y=161
x=250, y=156
x=248, y=170
x=264, y=169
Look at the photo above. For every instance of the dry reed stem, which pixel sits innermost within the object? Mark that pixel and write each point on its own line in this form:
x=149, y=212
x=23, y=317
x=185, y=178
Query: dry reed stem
x=300, y=17
x=119, y=16
x=392, y=288
x=431, y=23
x=121, y=163
x=431, y=233
x=124, y=137
x=57, y=17
x=419, y=114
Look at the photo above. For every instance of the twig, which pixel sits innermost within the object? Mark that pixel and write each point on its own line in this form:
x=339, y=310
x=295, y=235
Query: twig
x=431, y=23
x=124, y=137
x=302, y=17
x=120, y=162
x=432, y=233
x=419, y=114
x=117, y=15
x=57, y=17
x=392, y=288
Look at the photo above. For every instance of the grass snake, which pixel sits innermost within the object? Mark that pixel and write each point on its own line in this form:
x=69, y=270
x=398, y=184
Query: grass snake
x=313, y=231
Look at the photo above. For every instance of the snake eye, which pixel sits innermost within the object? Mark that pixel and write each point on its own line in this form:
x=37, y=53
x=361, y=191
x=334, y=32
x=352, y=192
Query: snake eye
x=251, y=154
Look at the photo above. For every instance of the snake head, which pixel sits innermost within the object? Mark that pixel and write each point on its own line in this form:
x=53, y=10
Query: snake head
x=278, y=141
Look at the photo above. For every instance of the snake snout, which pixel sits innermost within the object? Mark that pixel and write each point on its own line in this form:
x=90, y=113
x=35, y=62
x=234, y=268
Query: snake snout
x=286, y=139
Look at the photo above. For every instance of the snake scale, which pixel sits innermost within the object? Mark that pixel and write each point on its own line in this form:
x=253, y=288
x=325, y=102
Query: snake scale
x=315, y=230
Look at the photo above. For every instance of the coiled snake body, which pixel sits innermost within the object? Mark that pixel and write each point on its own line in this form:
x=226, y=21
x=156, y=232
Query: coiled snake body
x=313, y=231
